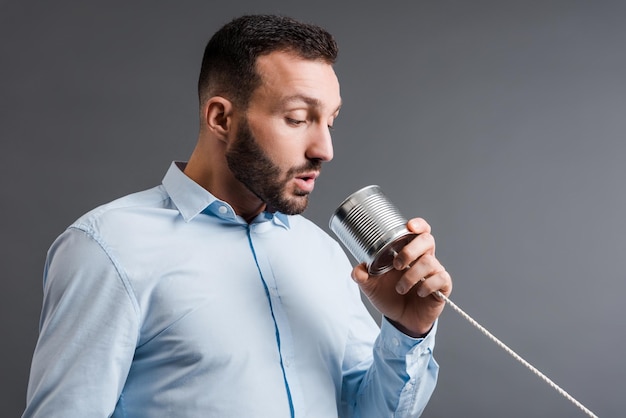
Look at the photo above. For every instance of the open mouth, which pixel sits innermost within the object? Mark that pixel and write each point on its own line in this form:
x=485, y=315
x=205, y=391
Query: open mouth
x=306, y=181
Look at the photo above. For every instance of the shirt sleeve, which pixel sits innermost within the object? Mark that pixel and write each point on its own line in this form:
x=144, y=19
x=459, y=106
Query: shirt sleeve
x=397, y=381
x=88, y=332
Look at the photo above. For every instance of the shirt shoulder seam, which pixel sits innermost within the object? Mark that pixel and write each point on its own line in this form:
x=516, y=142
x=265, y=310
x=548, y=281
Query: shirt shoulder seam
x=130, y=291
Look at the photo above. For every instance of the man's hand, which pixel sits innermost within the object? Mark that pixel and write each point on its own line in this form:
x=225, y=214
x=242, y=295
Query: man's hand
x=405, y=295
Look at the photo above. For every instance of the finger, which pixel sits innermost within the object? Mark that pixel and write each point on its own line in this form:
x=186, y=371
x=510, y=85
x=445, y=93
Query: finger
x=425, y=267
x=418, y=226
x=422, y=244
x=441, y=281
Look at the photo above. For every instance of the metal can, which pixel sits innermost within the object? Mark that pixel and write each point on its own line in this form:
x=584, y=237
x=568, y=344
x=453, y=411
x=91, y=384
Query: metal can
x=371, y=228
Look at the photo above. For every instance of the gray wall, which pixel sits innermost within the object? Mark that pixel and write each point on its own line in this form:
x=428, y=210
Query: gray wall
x=501, y=122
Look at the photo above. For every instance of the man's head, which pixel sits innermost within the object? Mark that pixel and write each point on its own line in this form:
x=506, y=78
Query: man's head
x=228, y=65
x=268, y=99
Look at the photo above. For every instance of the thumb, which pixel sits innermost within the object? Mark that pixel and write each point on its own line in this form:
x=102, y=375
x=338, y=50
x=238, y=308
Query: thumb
x=360, y=274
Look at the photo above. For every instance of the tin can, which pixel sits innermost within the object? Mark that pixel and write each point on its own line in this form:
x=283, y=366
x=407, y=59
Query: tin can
x=371, y=228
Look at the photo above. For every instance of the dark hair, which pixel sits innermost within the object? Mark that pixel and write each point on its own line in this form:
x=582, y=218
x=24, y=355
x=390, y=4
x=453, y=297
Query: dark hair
x=228, y=64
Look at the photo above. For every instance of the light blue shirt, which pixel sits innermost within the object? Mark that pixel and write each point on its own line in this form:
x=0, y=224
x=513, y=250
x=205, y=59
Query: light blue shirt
x=165, y=303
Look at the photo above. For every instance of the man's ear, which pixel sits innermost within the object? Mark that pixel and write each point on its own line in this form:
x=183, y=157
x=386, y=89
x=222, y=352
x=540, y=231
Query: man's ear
x=218, y=116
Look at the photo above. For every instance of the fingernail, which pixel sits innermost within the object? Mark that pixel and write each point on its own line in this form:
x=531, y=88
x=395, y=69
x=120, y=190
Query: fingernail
x=400, y=288
x=397, y=263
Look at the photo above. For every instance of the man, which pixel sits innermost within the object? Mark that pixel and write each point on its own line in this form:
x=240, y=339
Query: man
x=209, y=296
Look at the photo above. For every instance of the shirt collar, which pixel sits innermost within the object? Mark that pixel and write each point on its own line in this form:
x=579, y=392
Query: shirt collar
x=191, y=199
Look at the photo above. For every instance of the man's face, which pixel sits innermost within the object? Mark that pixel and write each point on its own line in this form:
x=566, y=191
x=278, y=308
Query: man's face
x=253, y=167
x=284, y=137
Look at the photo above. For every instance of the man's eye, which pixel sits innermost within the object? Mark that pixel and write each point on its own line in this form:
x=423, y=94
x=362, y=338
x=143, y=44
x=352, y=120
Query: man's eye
x=295, y=122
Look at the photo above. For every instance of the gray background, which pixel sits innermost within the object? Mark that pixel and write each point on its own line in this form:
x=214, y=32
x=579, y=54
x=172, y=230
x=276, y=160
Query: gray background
x=501, y=122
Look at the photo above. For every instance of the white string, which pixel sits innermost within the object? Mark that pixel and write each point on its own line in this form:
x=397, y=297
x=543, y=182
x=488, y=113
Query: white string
x=515, y=355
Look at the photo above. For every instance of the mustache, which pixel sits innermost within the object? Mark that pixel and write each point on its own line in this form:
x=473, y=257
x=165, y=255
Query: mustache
x=310, y=165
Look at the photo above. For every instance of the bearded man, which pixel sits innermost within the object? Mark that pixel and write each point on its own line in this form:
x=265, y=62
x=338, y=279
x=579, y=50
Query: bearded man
x=210, y=295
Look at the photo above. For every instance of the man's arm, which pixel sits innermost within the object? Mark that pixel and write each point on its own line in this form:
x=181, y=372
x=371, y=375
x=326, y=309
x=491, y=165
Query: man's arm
x=398, y=381
x=88, y=332
x=403, y=374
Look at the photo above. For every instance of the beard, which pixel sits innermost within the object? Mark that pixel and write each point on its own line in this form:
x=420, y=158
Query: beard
x=251, y=165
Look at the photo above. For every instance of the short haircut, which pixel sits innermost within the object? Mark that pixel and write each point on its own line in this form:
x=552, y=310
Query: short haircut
x=229, y=61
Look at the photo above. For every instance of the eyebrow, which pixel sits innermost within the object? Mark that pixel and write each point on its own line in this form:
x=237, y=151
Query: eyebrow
x=311, y=101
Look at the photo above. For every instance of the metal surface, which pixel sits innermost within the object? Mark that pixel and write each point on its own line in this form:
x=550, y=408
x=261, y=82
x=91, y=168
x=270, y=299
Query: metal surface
x=372, y=228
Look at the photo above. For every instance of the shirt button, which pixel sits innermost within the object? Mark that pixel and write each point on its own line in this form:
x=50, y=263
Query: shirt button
x=395, y=342
x=223, y=210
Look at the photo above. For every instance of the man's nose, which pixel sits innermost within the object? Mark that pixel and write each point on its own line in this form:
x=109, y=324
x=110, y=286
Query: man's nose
x=321, y=144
